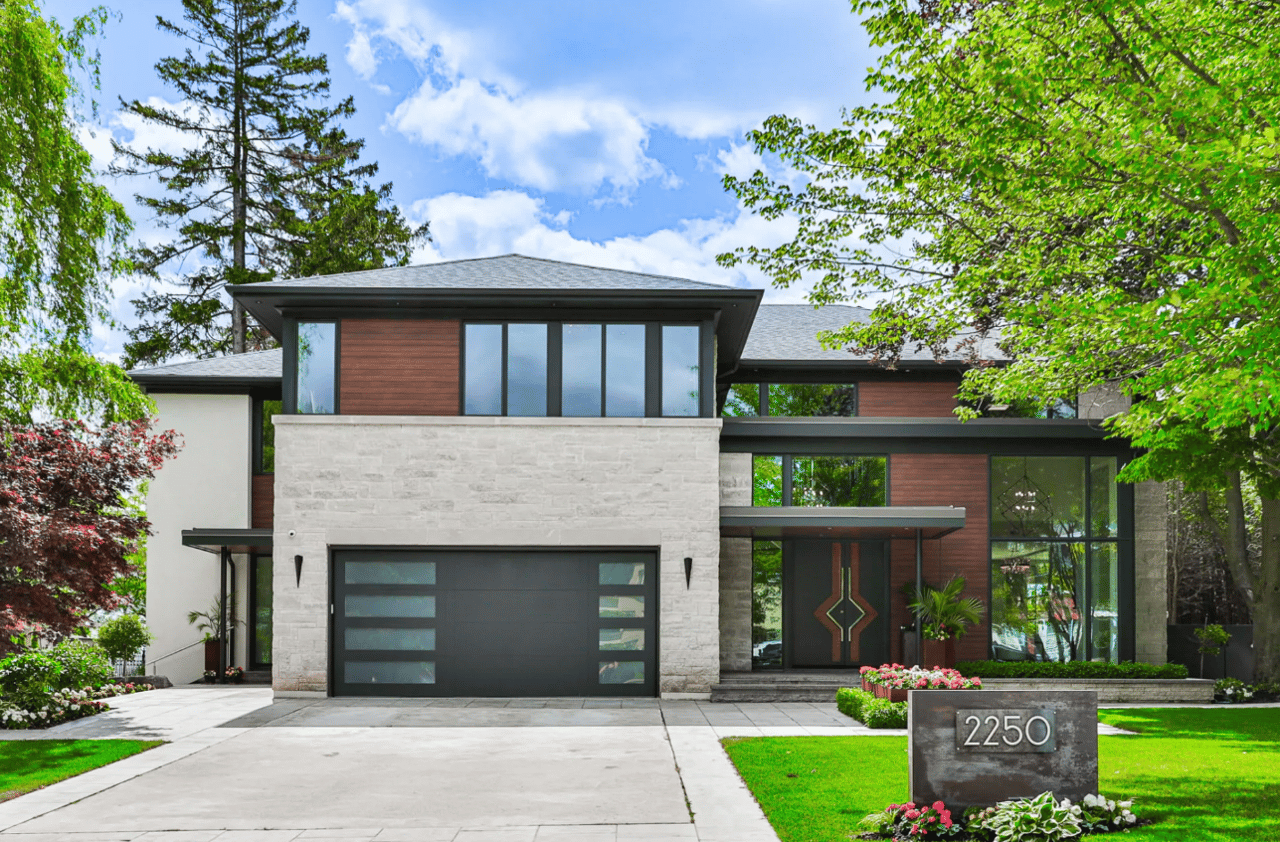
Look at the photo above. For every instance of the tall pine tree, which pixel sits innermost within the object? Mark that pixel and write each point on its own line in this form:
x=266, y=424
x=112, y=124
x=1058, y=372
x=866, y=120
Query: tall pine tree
x=256, y=109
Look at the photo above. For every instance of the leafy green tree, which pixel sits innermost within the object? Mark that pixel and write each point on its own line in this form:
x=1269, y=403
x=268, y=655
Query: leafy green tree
x=263, y=186
x=61, y=233
x=1094, y=185
x=124, y=637
x=343, y=224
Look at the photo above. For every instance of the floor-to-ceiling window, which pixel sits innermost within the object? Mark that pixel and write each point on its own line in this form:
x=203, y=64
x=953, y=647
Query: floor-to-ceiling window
x=261, y=612
x=1055, y=558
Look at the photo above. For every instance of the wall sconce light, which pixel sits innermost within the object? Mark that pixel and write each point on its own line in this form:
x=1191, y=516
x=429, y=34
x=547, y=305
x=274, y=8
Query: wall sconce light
x=297, y=569
x=688, y=572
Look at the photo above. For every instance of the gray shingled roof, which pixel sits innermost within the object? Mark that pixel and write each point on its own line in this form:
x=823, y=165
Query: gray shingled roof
x=510, y=271
x=790, y=332
x=255, y=364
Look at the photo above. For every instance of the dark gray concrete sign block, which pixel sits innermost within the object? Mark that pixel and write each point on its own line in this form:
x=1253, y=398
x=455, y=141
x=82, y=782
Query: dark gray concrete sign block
x=977, y=747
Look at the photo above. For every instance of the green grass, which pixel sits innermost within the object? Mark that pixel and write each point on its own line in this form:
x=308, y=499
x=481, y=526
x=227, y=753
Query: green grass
x=1205, y=775
x=30, y=764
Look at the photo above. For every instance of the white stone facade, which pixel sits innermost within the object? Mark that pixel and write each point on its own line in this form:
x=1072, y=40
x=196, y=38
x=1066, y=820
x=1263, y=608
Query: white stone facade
x=490, y=482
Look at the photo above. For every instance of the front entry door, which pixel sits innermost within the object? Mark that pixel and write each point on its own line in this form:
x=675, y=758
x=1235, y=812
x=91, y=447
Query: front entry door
x=837, y=603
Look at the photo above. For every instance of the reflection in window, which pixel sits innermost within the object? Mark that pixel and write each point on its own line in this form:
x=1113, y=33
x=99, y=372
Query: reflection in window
x=631, y=640
x=766, y=481
x=1037, y=496
x=390, y=672
x=622, y=672
x=622, y=572
x=743, y=401
x=813, y=400
x=1037, y=591
x=391, y=639
x=838, y=481
x=624, y=371
x=1054, y=599
x=527, y=369
x=317, y=357
x=267, y=411
x=631, y=607
x=483, y=366
x=580, y=385
x=766, y=605
x=368, y=605
x=680, y=381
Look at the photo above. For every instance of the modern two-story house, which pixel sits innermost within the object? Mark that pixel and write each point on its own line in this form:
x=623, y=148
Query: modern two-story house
x=518, y=477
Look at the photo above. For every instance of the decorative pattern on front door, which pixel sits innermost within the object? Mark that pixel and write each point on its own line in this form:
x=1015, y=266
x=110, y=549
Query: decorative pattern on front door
x=845, y=613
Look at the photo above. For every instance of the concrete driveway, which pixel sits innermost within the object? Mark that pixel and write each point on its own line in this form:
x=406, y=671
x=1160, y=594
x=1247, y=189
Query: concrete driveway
x=240, y=769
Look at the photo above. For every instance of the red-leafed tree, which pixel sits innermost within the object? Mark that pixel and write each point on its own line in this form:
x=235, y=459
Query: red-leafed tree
x=65, y=532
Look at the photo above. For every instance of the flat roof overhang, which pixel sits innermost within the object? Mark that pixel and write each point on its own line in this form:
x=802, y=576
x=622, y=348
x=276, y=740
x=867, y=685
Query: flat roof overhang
x=233, y=540
x=864, y=522
x=732, y=308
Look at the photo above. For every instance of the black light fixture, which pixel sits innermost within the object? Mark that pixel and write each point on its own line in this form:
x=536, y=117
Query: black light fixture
x=297, y=569
x=688, y=572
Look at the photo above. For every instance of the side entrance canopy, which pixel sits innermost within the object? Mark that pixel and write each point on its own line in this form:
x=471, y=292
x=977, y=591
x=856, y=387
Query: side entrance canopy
x=867, y=522
x=224, y=543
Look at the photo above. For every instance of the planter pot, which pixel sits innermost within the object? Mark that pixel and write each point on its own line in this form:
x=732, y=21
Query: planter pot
x=897, y=694
x=868, y=687
x=210, y=679
x=237, y=679
x=940, y=653
x=212, y=655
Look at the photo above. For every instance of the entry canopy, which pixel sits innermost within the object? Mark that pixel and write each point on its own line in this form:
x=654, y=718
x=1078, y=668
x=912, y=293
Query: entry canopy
x=863, y=522
x=233, y=540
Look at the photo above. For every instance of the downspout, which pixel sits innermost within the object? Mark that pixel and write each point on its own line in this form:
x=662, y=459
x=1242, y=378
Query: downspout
x=222, y=610
x=231, y=609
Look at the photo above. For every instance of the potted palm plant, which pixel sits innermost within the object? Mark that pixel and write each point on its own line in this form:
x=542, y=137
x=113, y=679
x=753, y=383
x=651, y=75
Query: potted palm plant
x=214, y=624
x=942, y=615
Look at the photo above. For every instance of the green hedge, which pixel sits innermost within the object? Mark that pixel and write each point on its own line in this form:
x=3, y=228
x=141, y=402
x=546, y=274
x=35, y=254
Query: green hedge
x=1071, y=669
x=869, y=710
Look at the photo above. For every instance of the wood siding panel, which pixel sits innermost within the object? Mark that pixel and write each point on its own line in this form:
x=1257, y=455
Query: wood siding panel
x=907, y=400
x=944, y=480
x=399, y=367
x=262, y=506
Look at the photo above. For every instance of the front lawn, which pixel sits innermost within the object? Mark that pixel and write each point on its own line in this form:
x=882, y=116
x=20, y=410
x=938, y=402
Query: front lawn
x=30, y=764
x=1209, y=775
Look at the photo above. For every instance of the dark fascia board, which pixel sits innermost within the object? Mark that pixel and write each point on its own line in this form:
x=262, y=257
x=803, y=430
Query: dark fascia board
x=189, y=384
x=999, y=436
x=866, y=522
x=735, y=307
x=235, y=540
x=827, y=371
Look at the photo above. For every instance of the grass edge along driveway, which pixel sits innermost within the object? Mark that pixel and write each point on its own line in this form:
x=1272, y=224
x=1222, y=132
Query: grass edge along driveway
x=27, y=765
x=1209, y=775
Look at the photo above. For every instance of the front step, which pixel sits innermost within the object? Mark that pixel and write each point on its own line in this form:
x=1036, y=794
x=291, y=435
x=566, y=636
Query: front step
x=782, y=687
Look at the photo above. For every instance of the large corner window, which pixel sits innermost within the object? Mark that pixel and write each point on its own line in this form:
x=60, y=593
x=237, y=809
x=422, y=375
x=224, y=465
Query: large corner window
x=819, y=481
x=582, y=369
x=1055, y=558
x=317, y=368
x=792, y=400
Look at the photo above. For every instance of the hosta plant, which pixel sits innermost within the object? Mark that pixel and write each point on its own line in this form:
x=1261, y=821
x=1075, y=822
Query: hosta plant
x=1039, y=819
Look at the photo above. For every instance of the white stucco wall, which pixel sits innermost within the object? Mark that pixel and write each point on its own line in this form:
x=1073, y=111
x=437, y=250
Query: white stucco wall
x=544, y=482
x=207, y=486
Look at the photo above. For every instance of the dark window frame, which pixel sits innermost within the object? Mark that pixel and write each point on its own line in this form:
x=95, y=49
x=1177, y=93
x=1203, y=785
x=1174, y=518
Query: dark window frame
x=765, y=410
x=289, y=384
x=1124, y=541
x=257, y=433
x=788, y=478
x=555, y=365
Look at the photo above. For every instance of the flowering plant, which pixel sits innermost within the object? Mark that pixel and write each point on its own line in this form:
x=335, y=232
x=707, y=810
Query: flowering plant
x=907, y=821
x=1232, y=690
x=235, y=672
x=20, y=713
x=1100, y=815
x=897, y=677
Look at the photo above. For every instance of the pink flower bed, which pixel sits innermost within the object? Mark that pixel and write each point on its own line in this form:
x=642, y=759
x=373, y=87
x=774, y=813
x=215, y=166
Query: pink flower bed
x=899, y=677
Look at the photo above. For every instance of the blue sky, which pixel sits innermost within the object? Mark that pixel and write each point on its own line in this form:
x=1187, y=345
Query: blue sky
x=580, y=130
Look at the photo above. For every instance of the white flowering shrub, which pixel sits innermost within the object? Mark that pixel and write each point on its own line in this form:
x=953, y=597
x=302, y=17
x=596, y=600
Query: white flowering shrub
x=1100, y=815
x=29, y=711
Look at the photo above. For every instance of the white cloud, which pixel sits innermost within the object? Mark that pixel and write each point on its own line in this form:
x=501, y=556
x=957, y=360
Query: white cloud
x=507, y=221
x=556, y=140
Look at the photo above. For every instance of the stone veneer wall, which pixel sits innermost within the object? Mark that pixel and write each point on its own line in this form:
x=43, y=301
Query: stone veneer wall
x=486, y=482
x=735, y=568
x=1150, y=545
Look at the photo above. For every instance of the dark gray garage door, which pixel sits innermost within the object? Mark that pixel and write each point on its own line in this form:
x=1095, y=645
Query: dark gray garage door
x=494, y=623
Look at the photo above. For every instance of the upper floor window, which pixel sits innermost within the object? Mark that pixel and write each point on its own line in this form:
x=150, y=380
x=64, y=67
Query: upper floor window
x=819, y=481
x=264, y=445
x=792, y=400
x=317, y=367
x=582, y=369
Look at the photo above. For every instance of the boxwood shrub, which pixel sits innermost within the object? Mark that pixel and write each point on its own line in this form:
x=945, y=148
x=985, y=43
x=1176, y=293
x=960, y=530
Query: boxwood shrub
x=869, y=710
x=1070, y=669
